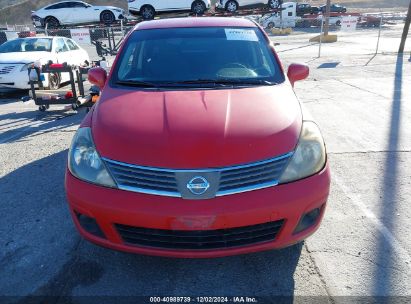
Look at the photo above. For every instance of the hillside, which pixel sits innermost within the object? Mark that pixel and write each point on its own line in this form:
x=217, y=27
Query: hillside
x=19, y=11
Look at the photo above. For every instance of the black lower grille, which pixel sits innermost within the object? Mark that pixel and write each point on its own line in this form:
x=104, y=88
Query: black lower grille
x=200, y=239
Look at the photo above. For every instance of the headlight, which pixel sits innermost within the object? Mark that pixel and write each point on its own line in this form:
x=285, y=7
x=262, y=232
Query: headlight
x=85, y=163
x=309, y=157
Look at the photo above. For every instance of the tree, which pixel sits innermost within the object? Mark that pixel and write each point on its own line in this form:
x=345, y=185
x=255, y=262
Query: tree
x=405, y=31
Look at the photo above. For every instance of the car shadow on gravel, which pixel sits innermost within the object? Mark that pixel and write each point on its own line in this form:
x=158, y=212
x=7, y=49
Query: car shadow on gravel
x=42, y=255
x=12, y=96
x=18, y=125
x=266, y=274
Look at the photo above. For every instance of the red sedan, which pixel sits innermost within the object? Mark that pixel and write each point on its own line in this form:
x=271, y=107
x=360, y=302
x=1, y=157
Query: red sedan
x=198, y=146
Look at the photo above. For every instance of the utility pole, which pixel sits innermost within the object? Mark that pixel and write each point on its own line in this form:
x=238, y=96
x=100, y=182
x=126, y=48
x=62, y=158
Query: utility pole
x=327, y=17
x=405, y=31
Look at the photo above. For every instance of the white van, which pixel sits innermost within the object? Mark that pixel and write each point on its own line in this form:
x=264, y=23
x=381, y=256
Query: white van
x=149, y=8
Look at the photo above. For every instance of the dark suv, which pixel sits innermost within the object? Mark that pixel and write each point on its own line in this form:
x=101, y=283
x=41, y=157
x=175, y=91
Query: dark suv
x=334, y=8
x=305, y=8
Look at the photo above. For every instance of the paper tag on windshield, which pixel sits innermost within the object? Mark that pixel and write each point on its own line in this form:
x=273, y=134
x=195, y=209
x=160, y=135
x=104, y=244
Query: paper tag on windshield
x=241, y=34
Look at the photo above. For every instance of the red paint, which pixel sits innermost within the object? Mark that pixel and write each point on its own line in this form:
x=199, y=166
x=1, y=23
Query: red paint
x=195, y=22
x=56, y=65
x=196, y=129
x=68, y=95
x=297, y=72
x=97, y=76
x=189, y=129
x=111, y=206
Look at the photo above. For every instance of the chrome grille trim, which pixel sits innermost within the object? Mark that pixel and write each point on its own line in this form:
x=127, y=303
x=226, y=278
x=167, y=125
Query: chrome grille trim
x=163, y=182
x=143, y=179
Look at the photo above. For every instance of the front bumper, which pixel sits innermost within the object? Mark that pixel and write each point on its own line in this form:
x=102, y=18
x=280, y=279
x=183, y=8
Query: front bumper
x=15, y=80
x=111, y=207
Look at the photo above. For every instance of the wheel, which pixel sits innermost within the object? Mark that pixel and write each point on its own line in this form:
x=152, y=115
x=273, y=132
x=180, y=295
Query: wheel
x=274, y=4
x=270, y=25
x=147, y=12
x=54, y=81
x=51, y=22
x=42, y=108
x=231, y=6
x=107, y=17
x=198, y=7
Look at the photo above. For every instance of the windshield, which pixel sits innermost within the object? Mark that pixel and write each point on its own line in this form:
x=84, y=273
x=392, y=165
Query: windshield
x=27, y=45
x=191, y=56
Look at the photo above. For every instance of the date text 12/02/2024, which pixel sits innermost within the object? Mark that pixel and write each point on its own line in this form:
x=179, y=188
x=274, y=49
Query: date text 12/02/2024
x=203, y=299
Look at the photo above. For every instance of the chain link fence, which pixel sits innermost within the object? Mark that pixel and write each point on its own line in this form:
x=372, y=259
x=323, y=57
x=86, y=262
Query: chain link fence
x=374, y=34
x=99, y=42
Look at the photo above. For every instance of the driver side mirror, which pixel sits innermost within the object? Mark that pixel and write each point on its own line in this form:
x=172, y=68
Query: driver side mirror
x=297, y=72
x=97, y=76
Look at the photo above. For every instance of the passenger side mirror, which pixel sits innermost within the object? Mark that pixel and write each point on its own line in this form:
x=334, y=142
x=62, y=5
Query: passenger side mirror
x=297, y=72
x=97, y=76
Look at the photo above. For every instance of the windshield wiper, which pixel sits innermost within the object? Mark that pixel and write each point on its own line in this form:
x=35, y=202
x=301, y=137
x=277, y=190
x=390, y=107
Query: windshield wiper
x=226, y=82
x=143, y=84
x=214, y=82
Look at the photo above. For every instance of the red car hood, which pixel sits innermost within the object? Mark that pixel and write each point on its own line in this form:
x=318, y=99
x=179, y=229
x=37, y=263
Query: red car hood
x=196, y=129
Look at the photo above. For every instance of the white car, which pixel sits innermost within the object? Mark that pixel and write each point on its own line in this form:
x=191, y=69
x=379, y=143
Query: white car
x=149, y=8
x=17, y=55
x=333, y=20
x=233, y=5
x=75, y=12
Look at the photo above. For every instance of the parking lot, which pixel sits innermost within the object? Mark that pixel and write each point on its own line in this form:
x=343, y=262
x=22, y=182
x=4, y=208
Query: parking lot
x=362, y=104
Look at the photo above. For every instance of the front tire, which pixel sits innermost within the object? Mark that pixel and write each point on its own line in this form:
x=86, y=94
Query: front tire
x=270, y=25
x=51, y=23
x=198, y=7
x=147, y=12
x=107, y=17
x=231, y=6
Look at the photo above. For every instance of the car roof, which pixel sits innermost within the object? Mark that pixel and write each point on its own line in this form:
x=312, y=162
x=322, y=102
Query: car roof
x=195, y=22
x=65, y=1
x=41, y=37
